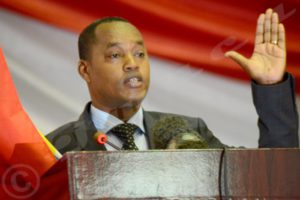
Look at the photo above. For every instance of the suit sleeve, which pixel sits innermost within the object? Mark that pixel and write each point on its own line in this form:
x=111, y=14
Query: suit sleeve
x=278, y=117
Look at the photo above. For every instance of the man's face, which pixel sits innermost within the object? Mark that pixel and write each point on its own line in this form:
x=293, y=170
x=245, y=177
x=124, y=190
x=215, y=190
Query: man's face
x=117, y=71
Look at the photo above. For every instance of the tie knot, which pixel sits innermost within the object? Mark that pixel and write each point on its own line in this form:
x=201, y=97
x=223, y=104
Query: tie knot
x=125, y=133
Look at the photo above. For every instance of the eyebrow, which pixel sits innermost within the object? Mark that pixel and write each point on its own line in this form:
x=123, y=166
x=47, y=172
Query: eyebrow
x=114, y=44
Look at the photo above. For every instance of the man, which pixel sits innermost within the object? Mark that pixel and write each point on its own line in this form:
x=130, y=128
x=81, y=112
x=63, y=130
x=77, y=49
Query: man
x=114, y=63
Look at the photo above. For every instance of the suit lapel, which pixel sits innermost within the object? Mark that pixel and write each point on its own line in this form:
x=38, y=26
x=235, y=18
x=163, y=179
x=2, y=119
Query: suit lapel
x=149, y=121
x=85, y=131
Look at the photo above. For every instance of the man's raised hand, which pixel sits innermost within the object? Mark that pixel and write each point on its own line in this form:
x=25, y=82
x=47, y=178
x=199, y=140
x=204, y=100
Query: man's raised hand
x=268, y=61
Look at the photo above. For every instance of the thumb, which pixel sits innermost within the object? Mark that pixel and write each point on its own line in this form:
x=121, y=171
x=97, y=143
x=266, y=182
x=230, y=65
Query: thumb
x=238, y=58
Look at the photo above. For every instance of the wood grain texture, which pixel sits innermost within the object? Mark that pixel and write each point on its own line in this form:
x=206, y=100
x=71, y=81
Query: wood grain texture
x=190, y=174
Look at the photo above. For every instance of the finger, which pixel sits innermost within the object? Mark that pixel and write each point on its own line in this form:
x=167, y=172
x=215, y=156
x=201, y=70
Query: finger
x=274, y=27
x=267, y=26
x=259, y=38
x=281, y=36
x=238, y=58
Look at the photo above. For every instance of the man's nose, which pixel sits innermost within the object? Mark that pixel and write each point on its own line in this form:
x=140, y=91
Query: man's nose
x=130, y=63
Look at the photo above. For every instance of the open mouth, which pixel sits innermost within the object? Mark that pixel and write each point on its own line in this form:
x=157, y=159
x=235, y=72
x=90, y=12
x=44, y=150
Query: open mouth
x=134, y=82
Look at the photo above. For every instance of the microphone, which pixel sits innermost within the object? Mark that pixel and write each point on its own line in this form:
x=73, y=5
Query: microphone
x=172, y=132
x=101, y=139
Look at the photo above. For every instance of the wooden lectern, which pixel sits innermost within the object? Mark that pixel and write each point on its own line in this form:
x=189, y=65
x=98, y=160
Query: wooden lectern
x=258, y=174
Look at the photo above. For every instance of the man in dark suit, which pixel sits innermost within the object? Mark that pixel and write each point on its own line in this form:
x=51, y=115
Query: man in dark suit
x=114, y=63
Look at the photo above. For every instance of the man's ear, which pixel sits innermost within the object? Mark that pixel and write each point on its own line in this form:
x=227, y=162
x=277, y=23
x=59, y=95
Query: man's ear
x=84, y=70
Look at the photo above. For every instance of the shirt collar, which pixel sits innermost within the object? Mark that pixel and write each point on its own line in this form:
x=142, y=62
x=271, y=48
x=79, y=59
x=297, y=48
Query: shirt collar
x=104, y=121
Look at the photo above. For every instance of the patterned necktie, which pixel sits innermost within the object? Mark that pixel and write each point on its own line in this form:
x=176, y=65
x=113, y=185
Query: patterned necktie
x=125, y=133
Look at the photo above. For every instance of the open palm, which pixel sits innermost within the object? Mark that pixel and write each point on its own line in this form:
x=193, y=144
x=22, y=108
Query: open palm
x=268, y=61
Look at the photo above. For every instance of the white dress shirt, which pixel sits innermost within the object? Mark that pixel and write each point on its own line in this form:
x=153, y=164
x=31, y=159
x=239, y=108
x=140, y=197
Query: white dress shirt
x=104, y=121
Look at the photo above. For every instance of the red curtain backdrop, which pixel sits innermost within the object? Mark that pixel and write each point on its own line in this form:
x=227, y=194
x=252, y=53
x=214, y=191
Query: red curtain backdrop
x=193, y=32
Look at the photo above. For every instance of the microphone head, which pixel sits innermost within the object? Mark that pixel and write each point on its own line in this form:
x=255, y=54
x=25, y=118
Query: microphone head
x=190, y=140
x=167, y=128
x=100, y=138
x=173, y=132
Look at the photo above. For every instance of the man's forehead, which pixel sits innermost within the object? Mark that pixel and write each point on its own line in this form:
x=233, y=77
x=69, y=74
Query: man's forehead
x=117, y=32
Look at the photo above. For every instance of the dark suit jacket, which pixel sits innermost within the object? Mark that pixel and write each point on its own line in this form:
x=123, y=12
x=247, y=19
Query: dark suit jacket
x=275, y=105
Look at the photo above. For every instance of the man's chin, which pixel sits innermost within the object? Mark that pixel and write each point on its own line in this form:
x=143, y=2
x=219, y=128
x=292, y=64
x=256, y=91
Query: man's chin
x=133, y=100
x=132, y=104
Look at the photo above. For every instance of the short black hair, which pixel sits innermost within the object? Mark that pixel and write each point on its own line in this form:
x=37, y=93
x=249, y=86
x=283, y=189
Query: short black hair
x=87, y=36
